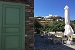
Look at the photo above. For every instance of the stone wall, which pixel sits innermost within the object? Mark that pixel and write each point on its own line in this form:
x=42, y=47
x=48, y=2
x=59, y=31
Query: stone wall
x=29, y=36
x=29, y=22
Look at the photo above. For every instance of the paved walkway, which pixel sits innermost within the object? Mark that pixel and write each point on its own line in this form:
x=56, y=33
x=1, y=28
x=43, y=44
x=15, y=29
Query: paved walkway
x=40, y=45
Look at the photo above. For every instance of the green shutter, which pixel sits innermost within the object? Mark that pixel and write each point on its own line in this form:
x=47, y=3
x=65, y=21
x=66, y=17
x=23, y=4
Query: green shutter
x=12, y=26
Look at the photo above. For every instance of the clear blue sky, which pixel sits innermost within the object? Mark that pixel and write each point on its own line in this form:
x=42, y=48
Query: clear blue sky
x=54, y=7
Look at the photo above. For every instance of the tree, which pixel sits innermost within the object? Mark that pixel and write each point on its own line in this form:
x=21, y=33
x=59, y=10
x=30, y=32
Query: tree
x=72, y=23
x=37, y=26
x=58, y=26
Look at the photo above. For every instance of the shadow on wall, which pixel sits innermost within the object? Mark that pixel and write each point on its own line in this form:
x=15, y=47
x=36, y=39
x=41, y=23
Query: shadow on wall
x=40, y=45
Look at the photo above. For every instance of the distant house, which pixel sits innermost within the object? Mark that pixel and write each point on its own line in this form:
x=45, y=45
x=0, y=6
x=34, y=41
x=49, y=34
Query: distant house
x=40, y=18
x=49, y=18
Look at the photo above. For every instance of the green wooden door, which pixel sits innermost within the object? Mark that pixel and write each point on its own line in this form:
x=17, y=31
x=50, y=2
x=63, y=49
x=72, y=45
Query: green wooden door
x=12, y=26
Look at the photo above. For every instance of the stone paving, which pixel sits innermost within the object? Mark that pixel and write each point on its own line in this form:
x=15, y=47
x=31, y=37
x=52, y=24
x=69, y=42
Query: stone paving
x=39, y=44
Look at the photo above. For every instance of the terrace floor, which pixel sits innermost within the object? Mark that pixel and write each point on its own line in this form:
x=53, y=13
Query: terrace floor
x=39, y=44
